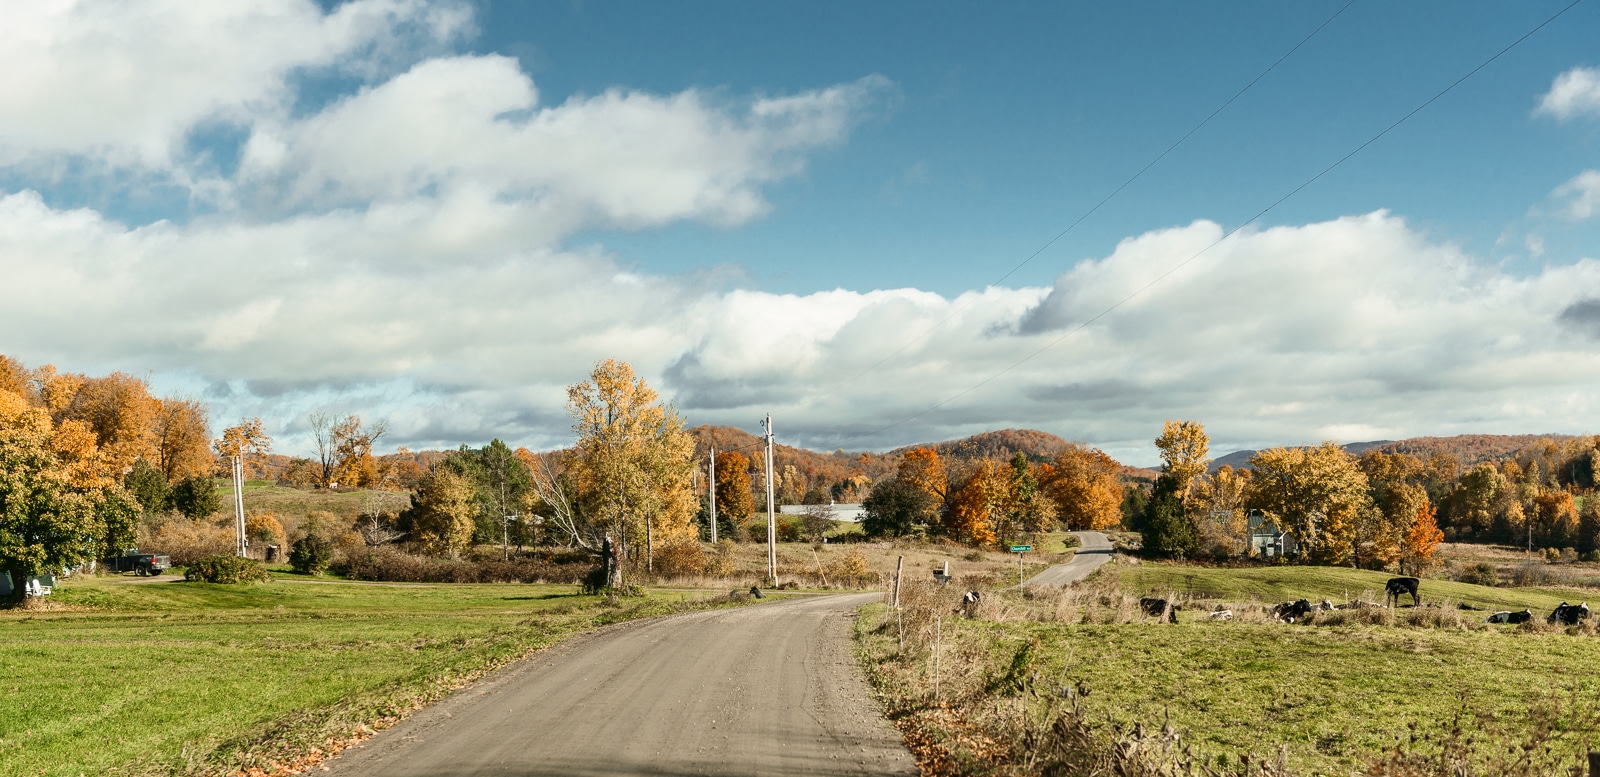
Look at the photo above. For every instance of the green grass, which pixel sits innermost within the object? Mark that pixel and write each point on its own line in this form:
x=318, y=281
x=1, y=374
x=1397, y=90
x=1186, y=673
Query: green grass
x=1334, y=696
x=1337, y=584
x=161, y=678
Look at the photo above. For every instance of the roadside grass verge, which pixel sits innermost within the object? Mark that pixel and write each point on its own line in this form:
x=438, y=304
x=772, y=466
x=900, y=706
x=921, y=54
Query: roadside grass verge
x=1068, y=682
x=192, y=678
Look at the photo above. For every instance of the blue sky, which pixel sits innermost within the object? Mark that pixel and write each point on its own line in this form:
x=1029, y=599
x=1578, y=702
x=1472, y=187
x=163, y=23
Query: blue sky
x=1010, y=121
x=443, y=213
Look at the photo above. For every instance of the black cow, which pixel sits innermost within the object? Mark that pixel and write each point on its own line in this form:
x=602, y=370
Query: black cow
x=1289, y=612
x=1569, y=614
x=1506, y=616
x=1155, y=608
x=1401, y=585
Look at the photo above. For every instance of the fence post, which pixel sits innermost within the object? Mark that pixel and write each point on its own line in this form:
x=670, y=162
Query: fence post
x=899, y=562
x=1594, y=763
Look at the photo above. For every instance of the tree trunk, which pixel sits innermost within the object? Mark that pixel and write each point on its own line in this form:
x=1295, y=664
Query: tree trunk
x=19, y=584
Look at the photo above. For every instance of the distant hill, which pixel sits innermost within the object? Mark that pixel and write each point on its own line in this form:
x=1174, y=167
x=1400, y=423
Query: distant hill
x=1239, y=459
x=1003, y=444
x=1467, y=449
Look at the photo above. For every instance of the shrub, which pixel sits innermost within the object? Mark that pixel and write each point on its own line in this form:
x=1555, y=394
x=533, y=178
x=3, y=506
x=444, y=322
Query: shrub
x=682, y=557
x=226, y=569
x=721, y=563
x=196, y=497
x=852, y=569
x=311, y=555
x=1479, y=574
x=186, y=541
x=390, y=564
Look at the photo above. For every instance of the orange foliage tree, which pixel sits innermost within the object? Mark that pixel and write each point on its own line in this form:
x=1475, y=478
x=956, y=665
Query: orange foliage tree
x=1423, y=538
x=922, y=468
x=1083, y=484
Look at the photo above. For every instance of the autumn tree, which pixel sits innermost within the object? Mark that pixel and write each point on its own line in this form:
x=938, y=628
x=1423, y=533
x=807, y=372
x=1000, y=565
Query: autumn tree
x=247, y=440
x=922, y=469
x=1316, y=494
x=180, y=438
x=1398, y=505
x=1084, y=485
x=979, y=504
x=1422, y=538
x=49, y=519
x=1555, y=519
x=735, y=502
x=443, y=512
x=632, y=466
x=1185, y=450
x=14, y=376
x=120, y=411
x=353, y=463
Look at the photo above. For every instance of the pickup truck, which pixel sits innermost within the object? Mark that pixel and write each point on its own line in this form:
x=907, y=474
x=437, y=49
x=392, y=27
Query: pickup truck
x=141, y=564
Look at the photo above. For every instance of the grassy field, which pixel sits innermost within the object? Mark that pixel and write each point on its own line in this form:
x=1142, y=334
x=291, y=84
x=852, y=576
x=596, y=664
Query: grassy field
x=180, y=678
x=1335, y=696
x=1271, y=585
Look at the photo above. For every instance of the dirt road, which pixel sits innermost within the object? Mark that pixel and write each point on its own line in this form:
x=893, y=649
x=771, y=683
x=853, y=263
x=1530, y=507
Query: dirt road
x=765, y=690
x=1095, y=549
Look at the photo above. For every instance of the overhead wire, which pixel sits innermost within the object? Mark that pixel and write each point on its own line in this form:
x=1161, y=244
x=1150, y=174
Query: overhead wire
x=1163, y=276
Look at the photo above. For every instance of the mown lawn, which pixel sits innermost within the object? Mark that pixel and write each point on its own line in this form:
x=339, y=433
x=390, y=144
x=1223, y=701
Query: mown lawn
x=174, y=677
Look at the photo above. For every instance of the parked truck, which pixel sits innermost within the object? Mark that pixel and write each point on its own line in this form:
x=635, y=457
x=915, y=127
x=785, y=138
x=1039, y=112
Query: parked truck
x=141, y=564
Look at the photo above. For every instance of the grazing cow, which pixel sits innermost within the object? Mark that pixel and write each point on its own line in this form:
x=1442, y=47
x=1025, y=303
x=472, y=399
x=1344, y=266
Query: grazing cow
x=1325, y=605
x=1222, y=615
x=1401, y=585
x=1506, y=616
x=1155, y=608
x=969, y=603
x=1569, y=614
x=1289, y=612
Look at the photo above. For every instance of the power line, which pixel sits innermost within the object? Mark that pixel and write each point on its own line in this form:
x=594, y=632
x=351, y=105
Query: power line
x=1163, y=276
x=1091, y=211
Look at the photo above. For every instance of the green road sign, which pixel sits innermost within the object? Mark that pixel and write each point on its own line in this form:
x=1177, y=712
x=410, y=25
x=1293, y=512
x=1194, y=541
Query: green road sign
x=1021, y=548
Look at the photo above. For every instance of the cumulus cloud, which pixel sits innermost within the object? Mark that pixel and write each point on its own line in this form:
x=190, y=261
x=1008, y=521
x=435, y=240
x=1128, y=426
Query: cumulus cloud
x=1579, y=198
x=123, y=84
x=629, y=159
x=403, y=250
x=1573, y=93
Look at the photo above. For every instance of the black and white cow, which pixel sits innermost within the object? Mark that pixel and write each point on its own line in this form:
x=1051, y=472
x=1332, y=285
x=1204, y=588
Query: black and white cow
x=1156, y=608
x=1289, y=612
x=1401, y=585
x=1506, y=616
x=1569, y=614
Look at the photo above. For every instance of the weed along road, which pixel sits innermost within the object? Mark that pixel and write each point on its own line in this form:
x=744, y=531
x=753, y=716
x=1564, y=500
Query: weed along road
x=770, y=689
x=1094, y=549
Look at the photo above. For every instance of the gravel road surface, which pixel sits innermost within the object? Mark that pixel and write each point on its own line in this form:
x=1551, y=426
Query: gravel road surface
x=1095, y=549
x=770, y=689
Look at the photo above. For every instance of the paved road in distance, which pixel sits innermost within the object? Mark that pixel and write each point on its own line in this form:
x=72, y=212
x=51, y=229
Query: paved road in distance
x=1095, y=549
x=770, y=689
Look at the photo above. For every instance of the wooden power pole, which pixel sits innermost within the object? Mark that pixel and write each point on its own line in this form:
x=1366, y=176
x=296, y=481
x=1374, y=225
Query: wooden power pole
x=713, y=490
x=772, y=522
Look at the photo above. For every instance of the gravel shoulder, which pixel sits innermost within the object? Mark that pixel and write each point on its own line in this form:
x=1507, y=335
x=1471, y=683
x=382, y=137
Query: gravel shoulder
x=771, y=689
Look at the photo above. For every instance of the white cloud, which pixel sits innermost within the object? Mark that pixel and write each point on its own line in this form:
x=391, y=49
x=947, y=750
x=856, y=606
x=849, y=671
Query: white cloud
x=1282, y=335
x=617, y=159
x=123, y=83
x=1580, y=197
x=1573, y=93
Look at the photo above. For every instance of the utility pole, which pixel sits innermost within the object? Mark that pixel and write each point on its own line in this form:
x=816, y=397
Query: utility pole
x=713, y=490
x=772, y=522
x=238, y=507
